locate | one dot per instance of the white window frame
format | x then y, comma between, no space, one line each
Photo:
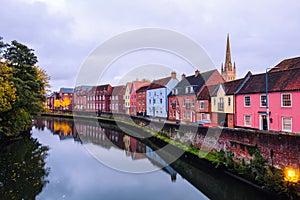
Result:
260,100
284,129
250,120
245,101
200,105
282,100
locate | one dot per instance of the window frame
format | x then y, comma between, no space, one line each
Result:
260,101
282,102
291,124
250,120
247,96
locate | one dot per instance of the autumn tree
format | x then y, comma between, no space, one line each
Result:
25,84
66,102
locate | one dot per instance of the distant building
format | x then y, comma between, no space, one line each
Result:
157,96
227,70
80,97
66,98
127,97
103,98
117,100
141,101
133,98
183,103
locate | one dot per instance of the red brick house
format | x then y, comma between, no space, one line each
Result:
183,103
80,97
133,98
66,98
102,98
117,100
141,101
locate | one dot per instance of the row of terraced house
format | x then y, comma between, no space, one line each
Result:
266,101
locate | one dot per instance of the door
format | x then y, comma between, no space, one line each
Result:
263,122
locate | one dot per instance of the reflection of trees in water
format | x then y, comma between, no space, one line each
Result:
22,169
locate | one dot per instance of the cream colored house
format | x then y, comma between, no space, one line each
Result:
127,97
223,102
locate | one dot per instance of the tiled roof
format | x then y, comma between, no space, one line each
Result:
287,80
232,86
102,87
142,89
120,89
67,90
138,84
160,83
206,92
291,63
195,81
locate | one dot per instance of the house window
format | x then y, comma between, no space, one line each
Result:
160,101
229,101
187,104
201,105
116,97
203,116
191,89
171,113
149,101
215,102
247,101
221,104
186,90
247,120
188,115
183,103
176,91
263,101
287,124
286,100
193,102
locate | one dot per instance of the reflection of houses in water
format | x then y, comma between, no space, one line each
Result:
98,135
134,148
157,160
65,129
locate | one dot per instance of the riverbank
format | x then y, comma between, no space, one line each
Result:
223,160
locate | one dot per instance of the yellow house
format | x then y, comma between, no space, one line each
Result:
223,102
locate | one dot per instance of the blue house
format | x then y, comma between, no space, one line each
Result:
157,96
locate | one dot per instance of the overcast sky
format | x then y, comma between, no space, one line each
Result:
64,32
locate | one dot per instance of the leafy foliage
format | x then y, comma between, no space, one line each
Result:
22,169
22,88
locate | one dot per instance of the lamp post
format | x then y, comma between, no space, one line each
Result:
267,97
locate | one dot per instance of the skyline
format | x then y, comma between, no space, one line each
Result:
64,33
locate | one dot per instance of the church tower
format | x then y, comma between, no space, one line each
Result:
228,73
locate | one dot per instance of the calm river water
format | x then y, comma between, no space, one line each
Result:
58,162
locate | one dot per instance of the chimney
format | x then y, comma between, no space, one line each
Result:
197,73
182,76
173,75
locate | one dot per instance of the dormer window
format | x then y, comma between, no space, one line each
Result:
191,89
187,90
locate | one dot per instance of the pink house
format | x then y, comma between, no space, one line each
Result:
283,99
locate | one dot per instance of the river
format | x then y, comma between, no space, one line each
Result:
58,162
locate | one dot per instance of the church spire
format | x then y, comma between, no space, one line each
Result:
228,54
228,73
